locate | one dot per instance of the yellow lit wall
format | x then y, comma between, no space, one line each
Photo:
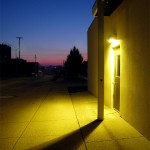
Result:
130,22
108,63
93,58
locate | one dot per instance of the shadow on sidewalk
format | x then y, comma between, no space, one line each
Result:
75,89
71,141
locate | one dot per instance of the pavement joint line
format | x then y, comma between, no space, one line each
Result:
78,123
7,96
44,98
112,137
55,120
97,141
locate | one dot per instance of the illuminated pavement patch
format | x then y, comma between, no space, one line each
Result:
51,118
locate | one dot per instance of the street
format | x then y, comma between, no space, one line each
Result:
23,92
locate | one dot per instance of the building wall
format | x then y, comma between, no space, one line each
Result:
130,22
108,63
5,57
93,58
5,53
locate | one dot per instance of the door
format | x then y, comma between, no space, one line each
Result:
116,95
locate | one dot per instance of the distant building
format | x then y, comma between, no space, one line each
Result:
5,58
32,68
18,67
14,67
5,53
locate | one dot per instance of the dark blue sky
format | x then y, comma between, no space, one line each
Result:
50,28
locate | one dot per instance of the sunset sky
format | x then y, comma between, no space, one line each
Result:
50,28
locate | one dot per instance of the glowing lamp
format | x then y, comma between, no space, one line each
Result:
114,42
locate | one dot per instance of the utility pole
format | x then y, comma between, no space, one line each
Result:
35,57
19,44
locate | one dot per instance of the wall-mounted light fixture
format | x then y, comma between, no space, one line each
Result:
114,42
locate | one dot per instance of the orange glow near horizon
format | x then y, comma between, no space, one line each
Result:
51,60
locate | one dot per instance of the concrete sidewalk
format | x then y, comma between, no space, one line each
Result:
64,121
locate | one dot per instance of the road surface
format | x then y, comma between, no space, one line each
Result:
22,91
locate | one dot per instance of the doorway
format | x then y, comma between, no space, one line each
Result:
116,91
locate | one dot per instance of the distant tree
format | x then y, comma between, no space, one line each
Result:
84,67
73,63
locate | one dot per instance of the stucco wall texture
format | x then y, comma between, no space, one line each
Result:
130,24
